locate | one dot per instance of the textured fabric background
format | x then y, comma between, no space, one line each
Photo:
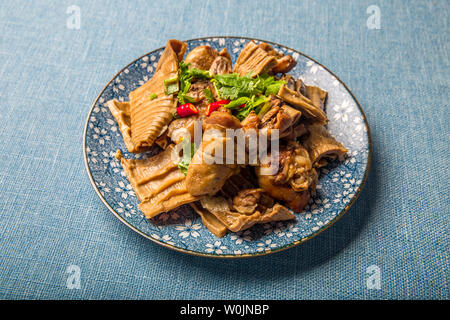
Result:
50,216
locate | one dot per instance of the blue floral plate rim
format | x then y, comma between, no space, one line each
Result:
242,255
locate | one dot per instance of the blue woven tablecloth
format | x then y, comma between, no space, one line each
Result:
53,226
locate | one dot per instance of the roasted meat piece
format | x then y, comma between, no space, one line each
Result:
317,95
296,132
223,119
262,58
294,178
214,225
302,103
295,168
196,91
222,64
252,121
321,144
236,221
239,205
207,58
293,199
281,117
208,169
283,64
201,57
254,59
247,200
182,126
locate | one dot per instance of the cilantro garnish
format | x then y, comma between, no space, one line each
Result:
246,93
208,94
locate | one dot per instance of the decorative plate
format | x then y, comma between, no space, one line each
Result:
181,229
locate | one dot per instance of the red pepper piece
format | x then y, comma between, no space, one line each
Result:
186,110
213,106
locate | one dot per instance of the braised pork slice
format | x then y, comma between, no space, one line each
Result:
281,117
236,221
293,199
295,132
302,103
150,117
240,205
223,119
321,144
254,59
283,64
179,127
262,58
210,221
196,90
295,168
208,169
233,220
316,95
246,201
293,84
300,175
252,121
159,184
201,57
221,65
294,178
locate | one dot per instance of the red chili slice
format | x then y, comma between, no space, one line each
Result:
213,106
186,110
